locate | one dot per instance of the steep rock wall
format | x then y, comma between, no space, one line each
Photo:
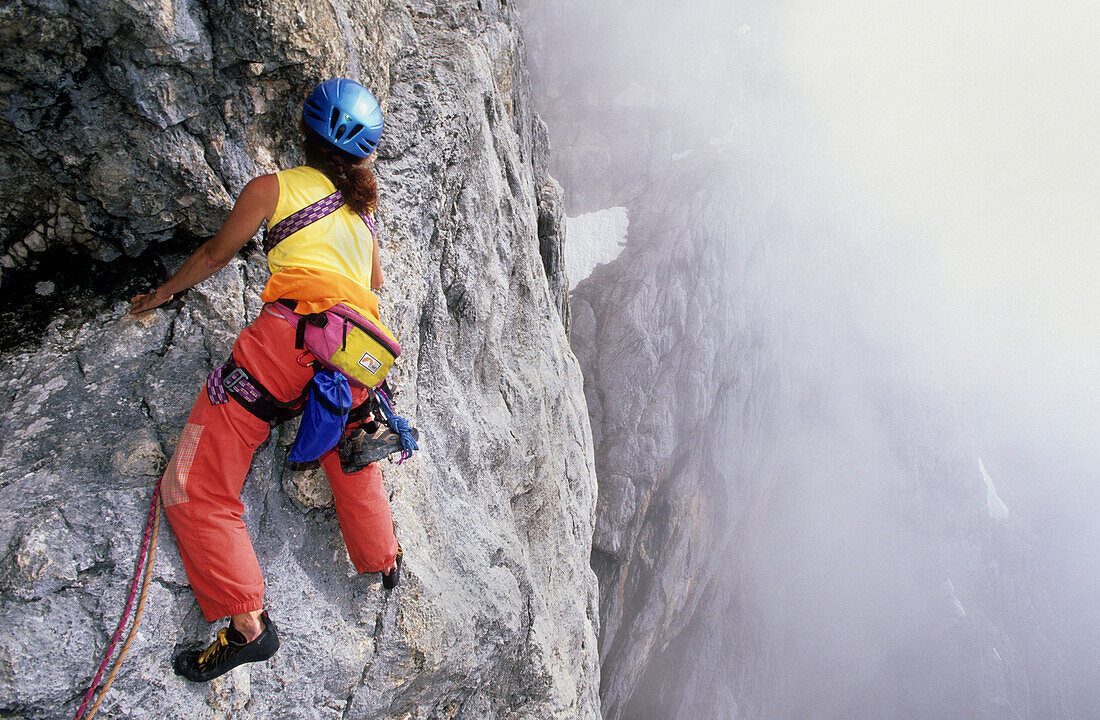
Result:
128,128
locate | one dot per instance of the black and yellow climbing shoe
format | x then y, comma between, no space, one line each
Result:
370,443
390,581
228,650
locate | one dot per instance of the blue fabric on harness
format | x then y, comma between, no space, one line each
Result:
326,413
398,424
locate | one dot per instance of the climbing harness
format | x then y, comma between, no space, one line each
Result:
144,563
231,380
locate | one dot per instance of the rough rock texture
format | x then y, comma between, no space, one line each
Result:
138,122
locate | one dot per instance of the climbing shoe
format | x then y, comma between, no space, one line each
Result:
390,581
369,443
228,650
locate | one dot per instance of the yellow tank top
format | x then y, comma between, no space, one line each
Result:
326,262
339,242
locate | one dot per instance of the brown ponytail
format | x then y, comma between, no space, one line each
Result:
351,175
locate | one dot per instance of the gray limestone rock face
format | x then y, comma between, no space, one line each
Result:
138,122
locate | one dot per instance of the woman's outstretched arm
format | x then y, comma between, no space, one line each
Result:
376,267
255,204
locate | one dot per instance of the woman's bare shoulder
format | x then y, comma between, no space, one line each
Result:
261,194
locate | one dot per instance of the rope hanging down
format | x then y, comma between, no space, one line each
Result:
145,561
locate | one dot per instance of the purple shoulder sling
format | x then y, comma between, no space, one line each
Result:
307,216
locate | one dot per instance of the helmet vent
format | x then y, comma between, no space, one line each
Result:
313,110
335,119
366,147
339,134
355,131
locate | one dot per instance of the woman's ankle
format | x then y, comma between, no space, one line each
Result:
249,624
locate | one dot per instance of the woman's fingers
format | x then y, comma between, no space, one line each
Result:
146,302
138,304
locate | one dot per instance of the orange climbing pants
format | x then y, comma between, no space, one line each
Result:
202,485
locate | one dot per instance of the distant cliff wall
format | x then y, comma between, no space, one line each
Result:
789,525
778,534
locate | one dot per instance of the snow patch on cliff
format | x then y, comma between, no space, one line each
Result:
593,239
997,508
956,605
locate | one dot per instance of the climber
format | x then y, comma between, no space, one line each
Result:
332,260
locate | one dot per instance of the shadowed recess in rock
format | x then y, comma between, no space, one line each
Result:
65,285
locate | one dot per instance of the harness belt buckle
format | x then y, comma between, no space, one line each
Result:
231,380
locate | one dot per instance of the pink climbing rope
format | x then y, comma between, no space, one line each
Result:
129,603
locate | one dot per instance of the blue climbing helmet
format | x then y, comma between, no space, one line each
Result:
346,114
